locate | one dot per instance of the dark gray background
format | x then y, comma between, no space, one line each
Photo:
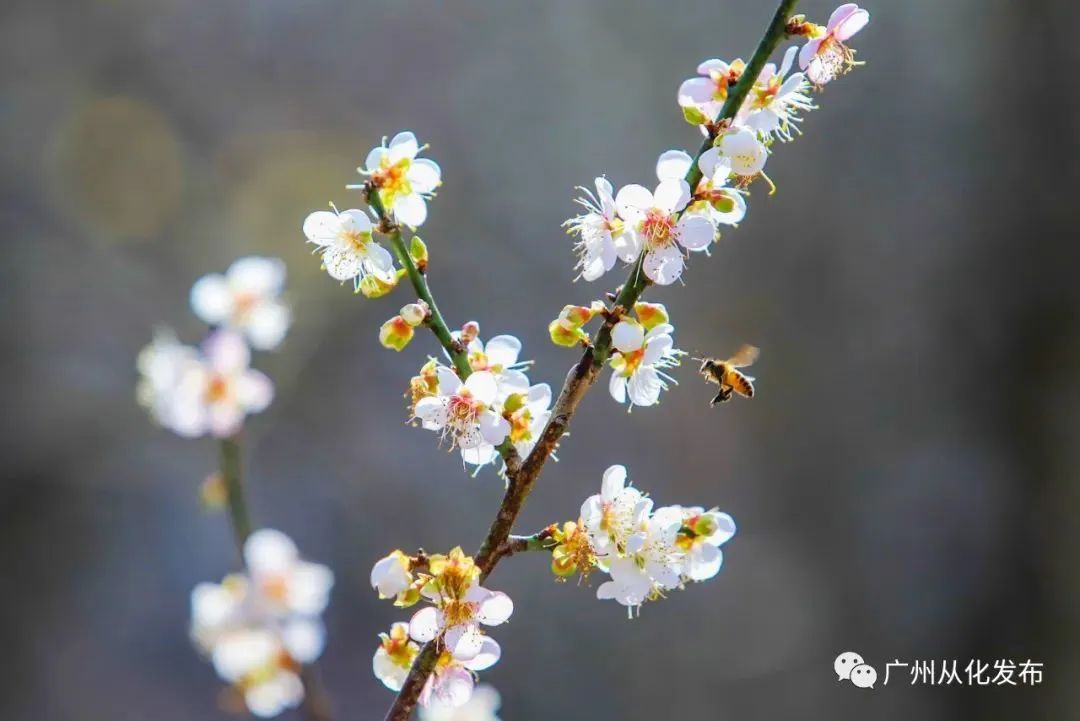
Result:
903,484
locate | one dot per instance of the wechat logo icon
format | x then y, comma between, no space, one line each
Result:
850,666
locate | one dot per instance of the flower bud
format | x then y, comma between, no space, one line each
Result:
212,493
395,333
374,286
419,253
565,334
577,315
650,315
392,575
694,116
415,313
469,331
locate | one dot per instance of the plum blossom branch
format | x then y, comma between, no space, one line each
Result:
497,543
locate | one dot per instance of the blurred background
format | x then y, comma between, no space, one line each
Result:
904,484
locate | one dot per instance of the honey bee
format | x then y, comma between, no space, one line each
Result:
726,374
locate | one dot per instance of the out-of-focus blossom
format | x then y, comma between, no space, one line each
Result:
261,627
482,705
162,365
245,298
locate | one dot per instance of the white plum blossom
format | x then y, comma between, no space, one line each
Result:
527,414
826,57
743,152
394,657
464,412
349,251
659,228
646,552
652,565
457,618
259,628
701,535
603,235
482,705
639,363
773,104
215,394
500,357
613,518
404,182
245,298
725,205
707,92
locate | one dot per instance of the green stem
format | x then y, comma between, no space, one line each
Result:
231,470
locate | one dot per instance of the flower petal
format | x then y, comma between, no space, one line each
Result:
483,386
487,657
411,210
268,551
673,165
672,195
464,641
663,267
644,387
696,232
322,227
496,609
503,350
627,336
403,145
493,427
617,388
212,299
614,482
425,624
425,175
633,200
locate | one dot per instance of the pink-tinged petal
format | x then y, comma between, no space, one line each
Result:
657,349
269,552
673,165
322,227
503,350
696,92
617,388
789,60
425,175
663,267
839,15
226,352
411,210
633,200
449,382
224,419
808,51
614,482
696,232
852,24
433,412
493,427
375,158
254,391
452,687
342,264
496,609
402,146
425,624
487,657
483,386
672,195
644,387
464,641
212,299
713,65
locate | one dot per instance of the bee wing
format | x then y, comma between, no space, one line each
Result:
745,356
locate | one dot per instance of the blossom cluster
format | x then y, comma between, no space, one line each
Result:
210,389
457,607
694,197
646,551
260,627
496,402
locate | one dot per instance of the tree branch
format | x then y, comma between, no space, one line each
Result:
582,376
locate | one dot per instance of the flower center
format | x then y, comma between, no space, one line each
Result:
633,361
355,240
217,390
392,180
244,303
658,228
463,407
457,612
275,587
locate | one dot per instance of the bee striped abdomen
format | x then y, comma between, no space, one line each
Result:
740,384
